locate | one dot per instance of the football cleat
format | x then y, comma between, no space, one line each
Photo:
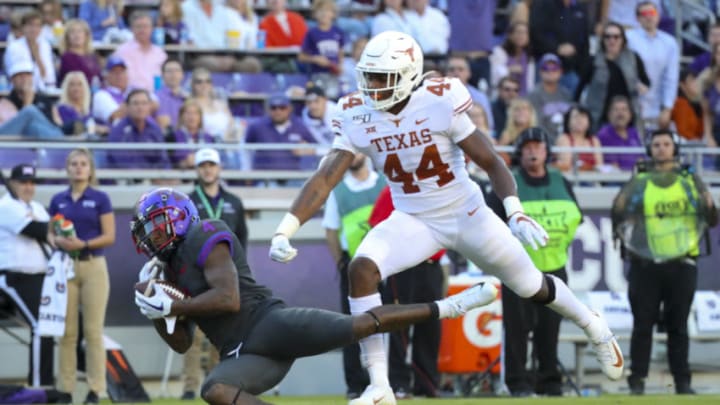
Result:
476,296
374,395
606,348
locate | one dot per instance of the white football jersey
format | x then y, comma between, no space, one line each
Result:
416,149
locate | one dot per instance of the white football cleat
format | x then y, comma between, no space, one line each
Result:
476,296
374,395
606,348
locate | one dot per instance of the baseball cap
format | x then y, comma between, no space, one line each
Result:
23,66
23,172
313,92
207,155
114,61
548,59
278,99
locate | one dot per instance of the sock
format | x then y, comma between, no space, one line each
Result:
372,348
567,305
443,309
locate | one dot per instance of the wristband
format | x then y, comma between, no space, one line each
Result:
512,205
288,226
87,245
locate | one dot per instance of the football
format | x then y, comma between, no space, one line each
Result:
169,288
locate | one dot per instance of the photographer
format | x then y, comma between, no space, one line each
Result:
660,216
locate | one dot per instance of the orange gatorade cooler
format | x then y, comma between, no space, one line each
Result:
472,343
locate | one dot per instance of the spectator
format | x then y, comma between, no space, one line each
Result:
137,127
458,67
189,131
648,215
616,71
549,99
704,60
661,56
209,23
479,117
561,27
23,111
430,25
577,133
521,115
323,44
279,127
622,11
90,211
171,95
77,53
143,59
23,235
170,19
283,28
105,18
246,12
348,80
52,18
317,116
550,200
15,26
35,49
108,103
345,220
508,89
687,113
213,201
513,58
620,132
73,108
391,17
474,16
217,118
710,86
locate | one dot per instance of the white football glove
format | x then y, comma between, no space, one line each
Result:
281,250
155,307
153,268
527,230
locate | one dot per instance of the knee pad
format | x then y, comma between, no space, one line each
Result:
551,291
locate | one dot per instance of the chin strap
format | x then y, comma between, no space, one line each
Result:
376,319
236,396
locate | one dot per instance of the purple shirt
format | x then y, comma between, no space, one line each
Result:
84,213
700,62
173,32
263,131
88,64
183,136
126,131
326,43
169,104
609,137
471,16
69,114
712,95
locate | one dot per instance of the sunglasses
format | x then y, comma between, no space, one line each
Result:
612,36
278,107
456,68
199,81
550,67
648,12
511,89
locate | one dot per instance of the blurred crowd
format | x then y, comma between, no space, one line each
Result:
592,73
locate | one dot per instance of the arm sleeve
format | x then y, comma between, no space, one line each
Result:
341,140
14,217
331,216
671,77
36,230
460,125
105,204
383,207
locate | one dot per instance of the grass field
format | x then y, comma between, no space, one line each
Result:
602,400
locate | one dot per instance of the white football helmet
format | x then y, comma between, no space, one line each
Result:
399,57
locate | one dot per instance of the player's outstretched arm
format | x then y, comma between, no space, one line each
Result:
224,292
482,152
312,196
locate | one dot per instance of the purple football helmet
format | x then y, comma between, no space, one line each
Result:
162,219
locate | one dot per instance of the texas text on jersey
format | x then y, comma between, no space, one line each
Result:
417,148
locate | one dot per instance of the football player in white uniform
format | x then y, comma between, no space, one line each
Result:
417,131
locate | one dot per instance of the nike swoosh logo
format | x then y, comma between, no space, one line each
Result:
377,401
418,122
471,213
158,308
619,362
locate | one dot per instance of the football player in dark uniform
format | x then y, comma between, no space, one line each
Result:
257,335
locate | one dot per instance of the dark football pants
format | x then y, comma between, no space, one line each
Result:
275,341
